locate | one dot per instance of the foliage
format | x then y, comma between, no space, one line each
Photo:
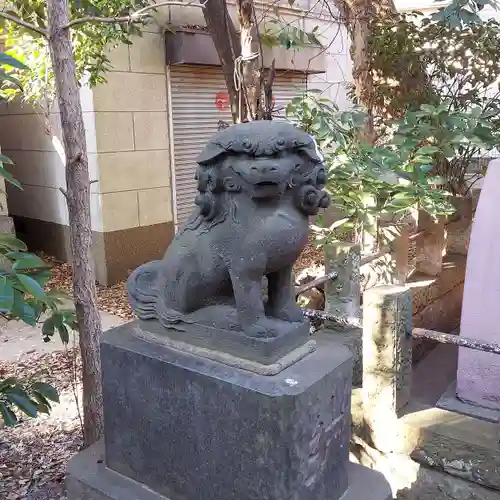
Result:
460,13
461,66
32,398
23,279
369,182
279,33
91,43
451,137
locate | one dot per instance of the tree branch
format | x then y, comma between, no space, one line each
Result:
135,16
25,24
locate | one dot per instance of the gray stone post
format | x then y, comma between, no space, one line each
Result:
459,228
343,295
401,247
391,267
431,245
387,341
343,300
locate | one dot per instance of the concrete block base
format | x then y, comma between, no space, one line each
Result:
89,479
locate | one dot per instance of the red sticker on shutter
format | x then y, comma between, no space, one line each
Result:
222,100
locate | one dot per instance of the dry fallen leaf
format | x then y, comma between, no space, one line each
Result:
34,455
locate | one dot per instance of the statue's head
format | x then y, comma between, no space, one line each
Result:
264,159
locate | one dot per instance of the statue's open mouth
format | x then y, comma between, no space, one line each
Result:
268,184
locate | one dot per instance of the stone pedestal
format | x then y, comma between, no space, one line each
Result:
478,372
183,427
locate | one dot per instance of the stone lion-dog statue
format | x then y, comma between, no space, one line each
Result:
258,183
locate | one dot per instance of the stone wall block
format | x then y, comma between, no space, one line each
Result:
431,245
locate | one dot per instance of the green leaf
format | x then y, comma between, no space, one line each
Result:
11,61
47,391
31,286
9,178
7,382
41,406
425,169
23,310
11,242
4,76
427,150
22,401
57,294
339,223
437,181
6,294
49,326
8,416
63,333
6,159
29,261
41,276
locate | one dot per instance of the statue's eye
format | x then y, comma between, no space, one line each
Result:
280,142
246,144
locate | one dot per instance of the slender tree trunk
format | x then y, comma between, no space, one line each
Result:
251,73
78,200
359,16
225,38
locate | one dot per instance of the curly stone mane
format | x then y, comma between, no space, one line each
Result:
217,183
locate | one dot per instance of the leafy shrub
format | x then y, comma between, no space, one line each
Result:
369,182
23,279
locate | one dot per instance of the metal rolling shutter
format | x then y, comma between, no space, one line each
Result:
195,117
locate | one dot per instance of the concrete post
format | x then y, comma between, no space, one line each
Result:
460,225
387,341
343,295
431,245
401,248
343,300
391,268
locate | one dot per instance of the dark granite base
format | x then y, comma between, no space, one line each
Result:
190,428
89,479
234,342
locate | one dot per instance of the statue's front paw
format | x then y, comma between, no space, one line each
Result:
258,331
291,313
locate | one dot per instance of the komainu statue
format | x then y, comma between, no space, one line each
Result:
258,183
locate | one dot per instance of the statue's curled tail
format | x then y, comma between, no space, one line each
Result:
142,290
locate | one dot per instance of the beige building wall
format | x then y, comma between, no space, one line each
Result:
134,190
32,140
127,141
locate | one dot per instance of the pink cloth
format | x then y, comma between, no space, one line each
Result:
478,375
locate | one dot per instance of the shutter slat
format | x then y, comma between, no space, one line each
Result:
195,118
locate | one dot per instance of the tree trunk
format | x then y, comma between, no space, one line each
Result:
78,200
251,74
359,16
225,38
